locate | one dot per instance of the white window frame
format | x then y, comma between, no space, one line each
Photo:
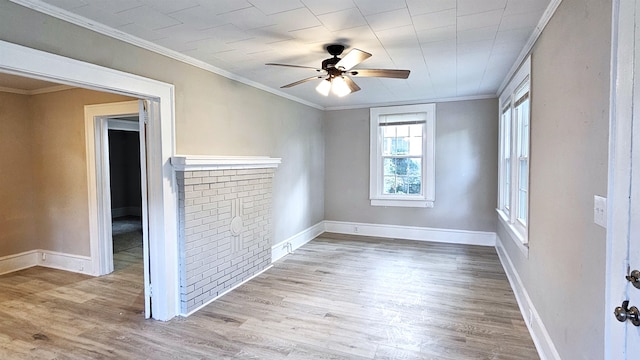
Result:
426,198
517,88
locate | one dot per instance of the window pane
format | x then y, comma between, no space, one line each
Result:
507,184
506,164
402,176
415,130
402,140
522,146
523,174
522,206
522,119
389,131
523,188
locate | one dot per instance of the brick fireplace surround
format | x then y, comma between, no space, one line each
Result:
225,225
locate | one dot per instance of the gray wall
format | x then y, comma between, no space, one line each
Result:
214,115
564,274
466,169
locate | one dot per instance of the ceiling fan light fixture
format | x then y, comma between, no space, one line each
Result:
324,87
340,87
336,68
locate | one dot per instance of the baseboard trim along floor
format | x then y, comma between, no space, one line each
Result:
540,336
52,259
449,236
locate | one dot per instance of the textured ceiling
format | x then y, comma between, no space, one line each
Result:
454,48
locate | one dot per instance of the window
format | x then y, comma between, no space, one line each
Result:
513,202
402,169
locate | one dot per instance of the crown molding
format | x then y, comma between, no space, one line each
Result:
414,102
544,20
82,21
46,90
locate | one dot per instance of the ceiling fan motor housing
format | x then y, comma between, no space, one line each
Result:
330,64
335,50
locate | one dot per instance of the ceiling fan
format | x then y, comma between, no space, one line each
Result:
337,71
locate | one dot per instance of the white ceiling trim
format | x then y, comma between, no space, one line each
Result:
133,40
46,90
544,20
414,102
14,91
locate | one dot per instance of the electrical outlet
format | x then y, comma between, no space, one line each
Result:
600,210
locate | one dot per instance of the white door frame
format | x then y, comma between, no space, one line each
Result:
96,125
23,61
619,179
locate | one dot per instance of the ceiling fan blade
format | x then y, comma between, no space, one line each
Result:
353,58
352,85
301,81
294,66
386,73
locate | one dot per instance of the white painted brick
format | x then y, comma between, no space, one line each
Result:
231,184
210,193
201,187
231,196
200,229
192,194
217,185
211,265
193,181
202,200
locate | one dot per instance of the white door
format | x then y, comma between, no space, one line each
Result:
144,120
622,330
633,287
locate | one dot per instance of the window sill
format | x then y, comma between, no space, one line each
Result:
402,203
518,238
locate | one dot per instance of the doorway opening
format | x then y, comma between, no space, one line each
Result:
159,133
109,185
125,180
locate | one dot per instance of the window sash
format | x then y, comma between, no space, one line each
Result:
514,158
384,156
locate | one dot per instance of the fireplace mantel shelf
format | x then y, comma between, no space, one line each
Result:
199,162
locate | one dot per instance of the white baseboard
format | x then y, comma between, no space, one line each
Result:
17,262
413,233
46,258
541,339
225,293
281,249
67,262
126,211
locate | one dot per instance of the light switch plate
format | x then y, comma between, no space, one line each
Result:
600,210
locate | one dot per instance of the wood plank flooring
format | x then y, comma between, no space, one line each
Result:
338,297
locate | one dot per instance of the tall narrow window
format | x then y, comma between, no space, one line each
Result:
513,202
402,156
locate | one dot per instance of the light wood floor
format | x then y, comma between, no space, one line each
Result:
335,298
